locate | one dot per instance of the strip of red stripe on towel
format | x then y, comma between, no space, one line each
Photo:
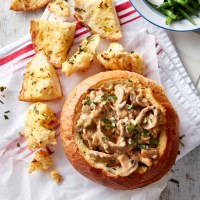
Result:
15,54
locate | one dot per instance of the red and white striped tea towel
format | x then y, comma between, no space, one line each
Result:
14,160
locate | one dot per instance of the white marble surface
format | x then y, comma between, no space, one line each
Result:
14,25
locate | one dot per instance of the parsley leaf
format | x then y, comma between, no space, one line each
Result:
88,101
129,107
109,97
174,181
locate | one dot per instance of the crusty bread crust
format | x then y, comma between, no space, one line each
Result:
18,5
136,179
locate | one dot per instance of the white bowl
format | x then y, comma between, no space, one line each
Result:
153,16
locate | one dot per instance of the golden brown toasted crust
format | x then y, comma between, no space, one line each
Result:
136,179
29,5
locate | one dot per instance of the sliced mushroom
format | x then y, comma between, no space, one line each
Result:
141,100
128,166
146,161
120,93
149,153
102,156
151,121
132,96
121,143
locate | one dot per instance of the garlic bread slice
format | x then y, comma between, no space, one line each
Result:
25,5
41,82
83,57
115,58
54,38
38,126
99,16
60,8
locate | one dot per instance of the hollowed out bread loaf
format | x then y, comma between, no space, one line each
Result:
119,129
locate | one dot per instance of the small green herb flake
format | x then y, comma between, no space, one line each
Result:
142,146
2,88
32,74
1,102
113,125
145,133
6,112
105,121
153,143
88,101
130,107
174,181
130,141
181,137
129,128
104,139
109,97
6,117
36,110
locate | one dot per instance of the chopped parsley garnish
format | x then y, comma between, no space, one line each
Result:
181,137
2,88
142,146
130,107
174,181
129,128
109,97
8,111
31,74
88,101
105,121
153,143
6,117
104,139
145,132
108,123
2,102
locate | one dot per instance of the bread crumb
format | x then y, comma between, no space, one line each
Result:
55,175
41,162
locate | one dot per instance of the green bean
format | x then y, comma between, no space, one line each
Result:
169,13
182,12
182,3
164,5
175,10
168,20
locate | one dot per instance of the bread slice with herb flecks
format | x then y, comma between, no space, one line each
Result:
25,5
54,38
99,16
41,82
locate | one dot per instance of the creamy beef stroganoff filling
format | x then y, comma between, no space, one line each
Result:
119,127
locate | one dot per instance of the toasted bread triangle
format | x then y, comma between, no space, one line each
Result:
24,5
41,82
54,38
99,16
